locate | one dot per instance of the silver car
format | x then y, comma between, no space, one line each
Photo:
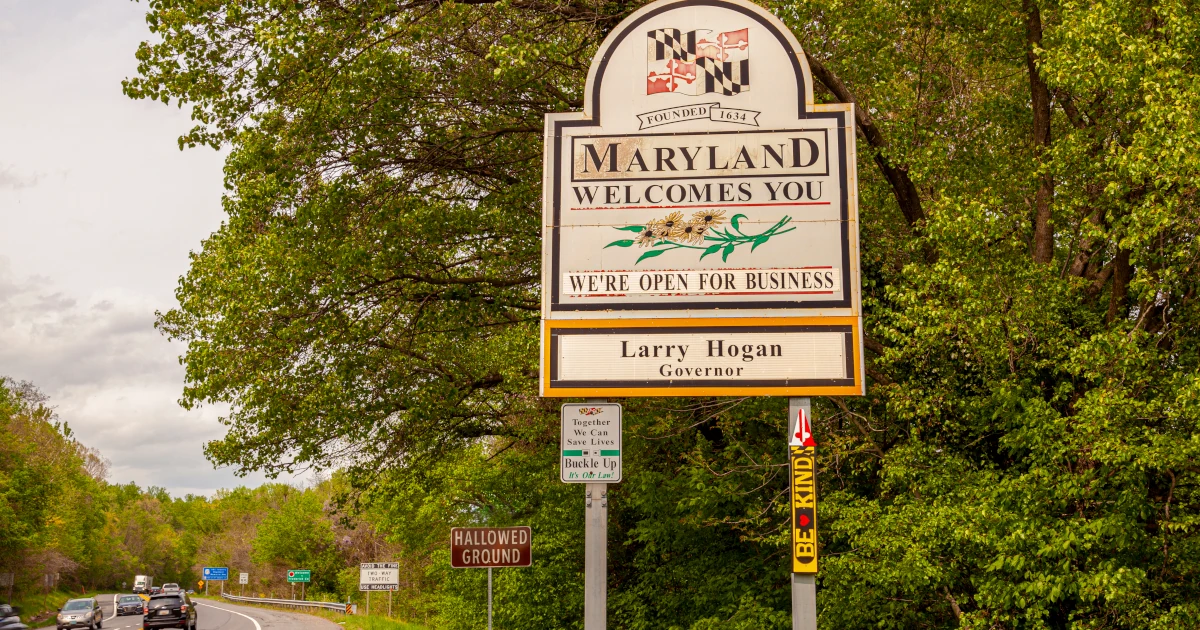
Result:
80,613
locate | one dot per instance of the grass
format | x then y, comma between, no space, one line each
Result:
351,622
38,608
363,622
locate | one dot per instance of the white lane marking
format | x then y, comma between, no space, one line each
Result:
114,609
252,619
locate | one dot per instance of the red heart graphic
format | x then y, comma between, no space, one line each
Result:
803,520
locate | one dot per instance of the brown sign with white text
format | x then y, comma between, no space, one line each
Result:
484,547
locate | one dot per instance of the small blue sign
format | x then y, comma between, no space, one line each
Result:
216,573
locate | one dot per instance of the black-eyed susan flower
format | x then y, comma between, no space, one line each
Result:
670,226
692,232
647,236
709,218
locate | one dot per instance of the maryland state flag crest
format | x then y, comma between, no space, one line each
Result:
697,62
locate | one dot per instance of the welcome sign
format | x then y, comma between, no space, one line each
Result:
700,216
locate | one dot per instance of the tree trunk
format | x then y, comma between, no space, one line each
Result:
1122,272
1043,233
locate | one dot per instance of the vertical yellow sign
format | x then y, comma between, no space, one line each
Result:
804,508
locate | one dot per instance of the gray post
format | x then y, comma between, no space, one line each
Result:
368,603
389,604
804,602
595,564
804,587
489,598
595,559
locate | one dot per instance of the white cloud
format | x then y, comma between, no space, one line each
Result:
13,180
98,211
113,378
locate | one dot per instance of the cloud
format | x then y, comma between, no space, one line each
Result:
113,378
97,200
12,180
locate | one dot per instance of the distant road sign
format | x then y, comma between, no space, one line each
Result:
216,573
379,576
484,547
243,578
299,575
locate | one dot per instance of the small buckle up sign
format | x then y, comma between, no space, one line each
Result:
591,443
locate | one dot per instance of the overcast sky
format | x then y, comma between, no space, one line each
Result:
98,211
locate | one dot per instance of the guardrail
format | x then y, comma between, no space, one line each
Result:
348,609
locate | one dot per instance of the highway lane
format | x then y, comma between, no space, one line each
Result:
215,614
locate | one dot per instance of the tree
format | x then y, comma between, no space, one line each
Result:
1026,456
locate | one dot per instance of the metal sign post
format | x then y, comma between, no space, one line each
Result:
802,459
378,576
595,559
7,579
591,454
488,547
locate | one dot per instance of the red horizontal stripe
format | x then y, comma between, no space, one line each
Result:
716,206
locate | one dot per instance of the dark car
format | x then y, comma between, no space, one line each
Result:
9,619
129,605
169,610
80,613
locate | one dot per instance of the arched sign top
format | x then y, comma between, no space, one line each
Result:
681,53
700,216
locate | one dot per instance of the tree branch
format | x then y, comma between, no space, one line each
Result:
903,188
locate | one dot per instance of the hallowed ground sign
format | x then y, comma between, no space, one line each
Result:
700,217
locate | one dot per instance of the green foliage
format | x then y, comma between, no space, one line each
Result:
1026,456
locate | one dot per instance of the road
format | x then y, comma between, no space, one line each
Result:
221,615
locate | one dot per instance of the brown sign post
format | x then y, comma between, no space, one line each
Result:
491,548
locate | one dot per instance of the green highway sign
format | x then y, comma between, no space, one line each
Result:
299,575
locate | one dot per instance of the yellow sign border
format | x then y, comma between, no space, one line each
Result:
549,325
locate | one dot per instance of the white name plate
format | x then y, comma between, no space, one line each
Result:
709,356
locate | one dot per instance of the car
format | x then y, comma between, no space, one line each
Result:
170,587
154,590
170,610
129,605
80,613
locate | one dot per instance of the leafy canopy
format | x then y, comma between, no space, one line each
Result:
1026,456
